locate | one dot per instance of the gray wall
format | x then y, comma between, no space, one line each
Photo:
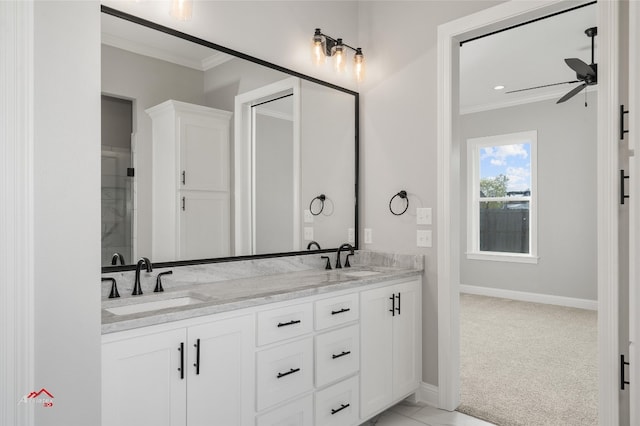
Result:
566,198
66,220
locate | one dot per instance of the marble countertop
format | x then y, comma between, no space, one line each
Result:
232,294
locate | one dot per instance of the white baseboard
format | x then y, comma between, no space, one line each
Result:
530,297
428,394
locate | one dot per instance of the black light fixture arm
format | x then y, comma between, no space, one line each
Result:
330,42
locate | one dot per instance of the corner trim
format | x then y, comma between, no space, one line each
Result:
428,394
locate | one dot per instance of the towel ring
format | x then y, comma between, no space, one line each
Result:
402,194
320,198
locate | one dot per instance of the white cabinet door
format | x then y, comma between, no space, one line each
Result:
376,334
407,344
391,345
204,151
220,382
204,225
142,383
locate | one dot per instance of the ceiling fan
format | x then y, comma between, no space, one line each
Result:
585,74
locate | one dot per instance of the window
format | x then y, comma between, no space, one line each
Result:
502,220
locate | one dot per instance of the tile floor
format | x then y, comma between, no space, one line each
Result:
416,414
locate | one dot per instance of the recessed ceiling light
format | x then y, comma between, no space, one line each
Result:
499,87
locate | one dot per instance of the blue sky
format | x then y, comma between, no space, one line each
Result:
513,161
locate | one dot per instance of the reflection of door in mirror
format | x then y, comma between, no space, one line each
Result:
275,174
117,185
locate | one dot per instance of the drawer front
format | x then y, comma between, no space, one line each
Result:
284,372
337,354
336,311
337,405
284,323
296,413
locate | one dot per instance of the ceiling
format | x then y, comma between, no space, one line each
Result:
526,56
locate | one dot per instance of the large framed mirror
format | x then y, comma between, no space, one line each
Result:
212,155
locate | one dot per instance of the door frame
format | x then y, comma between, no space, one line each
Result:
633,369
244,166
449,36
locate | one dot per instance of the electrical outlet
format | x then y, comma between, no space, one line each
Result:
368,236
423,216
351,236
308,217
308,233
423,238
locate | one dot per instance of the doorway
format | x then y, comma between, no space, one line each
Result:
117,179
449,233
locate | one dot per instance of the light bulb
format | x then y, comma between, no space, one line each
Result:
318,56
181,9
339,56
359,68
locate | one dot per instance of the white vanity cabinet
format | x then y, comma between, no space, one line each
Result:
191,181
391,345
192,376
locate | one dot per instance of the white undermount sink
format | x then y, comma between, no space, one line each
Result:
136,308
358,274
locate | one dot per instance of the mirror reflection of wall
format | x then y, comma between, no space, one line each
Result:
116,186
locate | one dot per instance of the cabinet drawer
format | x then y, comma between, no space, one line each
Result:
284,372
337,405
296,413
336,311
337,354
284,323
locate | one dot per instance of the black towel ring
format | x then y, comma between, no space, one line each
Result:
320,198
402,194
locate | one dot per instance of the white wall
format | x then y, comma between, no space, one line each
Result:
398,133
66,103
566,198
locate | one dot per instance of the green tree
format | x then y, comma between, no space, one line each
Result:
493,187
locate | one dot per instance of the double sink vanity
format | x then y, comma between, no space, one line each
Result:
275,341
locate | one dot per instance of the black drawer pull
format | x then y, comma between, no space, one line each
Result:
398,308
340,311
197,364
181,369
340,355
293,370
342,407
393,305
284,324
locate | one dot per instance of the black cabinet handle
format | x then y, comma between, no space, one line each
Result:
398,308
393,305
181,369
184,177
197,364
284,324
340,311
623,196
293,370
340,355
622,378
183,204
342,407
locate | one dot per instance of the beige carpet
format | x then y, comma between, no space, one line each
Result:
527,364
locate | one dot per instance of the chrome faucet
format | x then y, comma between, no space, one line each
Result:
346,246
313,243
117,257
137,289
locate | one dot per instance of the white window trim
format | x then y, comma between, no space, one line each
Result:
474,145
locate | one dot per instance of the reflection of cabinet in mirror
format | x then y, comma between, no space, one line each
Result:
191,191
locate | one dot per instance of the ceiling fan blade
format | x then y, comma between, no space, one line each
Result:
580,67
572,93
544,85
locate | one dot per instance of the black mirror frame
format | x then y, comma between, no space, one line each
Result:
140,21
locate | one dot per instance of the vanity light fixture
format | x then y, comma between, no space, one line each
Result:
324,45
181,9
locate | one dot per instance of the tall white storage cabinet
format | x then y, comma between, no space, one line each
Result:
191,184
